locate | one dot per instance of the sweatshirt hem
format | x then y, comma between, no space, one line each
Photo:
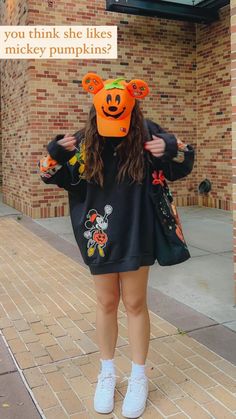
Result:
124,265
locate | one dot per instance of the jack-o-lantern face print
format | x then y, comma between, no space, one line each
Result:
115,104
114,101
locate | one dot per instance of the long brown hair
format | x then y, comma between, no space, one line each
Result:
130,151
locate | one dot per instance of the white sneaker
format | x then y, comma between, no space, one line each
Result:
104,393
135,399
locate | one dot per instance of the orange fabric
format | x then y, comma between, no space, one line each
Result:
93,217
47,163
114,100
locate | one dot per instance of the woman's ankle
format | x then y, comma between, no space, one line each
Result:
138,370
107,365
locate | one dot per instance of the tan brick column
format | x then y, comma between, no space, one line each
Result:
15,123
233,101
0,141
213,115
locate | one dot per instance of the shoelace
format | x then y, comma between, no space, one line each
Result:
133,381
102,378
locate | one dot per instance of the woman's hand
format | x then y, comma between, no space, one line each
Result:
68,142
156,146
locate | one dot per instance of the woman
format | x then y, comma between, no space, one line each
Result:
104,168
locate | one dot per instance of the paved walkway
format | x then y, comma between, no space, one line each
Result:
47,317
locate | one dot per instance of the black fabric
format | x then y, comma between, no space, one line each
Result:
113,225
58,152
172,169
177,170
129,227
170,140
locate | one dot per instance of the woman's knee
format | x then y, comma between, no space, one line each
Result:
134,305
107,292
108,303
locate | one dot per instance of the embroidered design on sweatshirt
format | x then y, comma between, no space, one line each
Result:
79,157
48,167
181,148
158,177
96,224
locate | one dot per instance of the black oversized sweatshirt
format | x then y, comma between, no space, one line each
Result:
114,224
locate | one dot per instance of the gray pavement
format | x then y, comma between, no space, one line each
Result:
204,282
6,210
16,401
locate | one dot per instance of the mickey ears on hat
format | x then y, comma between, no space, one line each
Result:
137,88
92,83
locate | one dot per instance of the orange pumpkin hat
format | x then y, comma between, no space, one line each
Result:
114,101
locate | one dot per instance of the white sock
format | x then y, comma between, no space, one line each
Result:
138,370
108,365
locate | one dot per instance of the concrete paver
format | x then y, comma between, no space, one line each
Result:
47,312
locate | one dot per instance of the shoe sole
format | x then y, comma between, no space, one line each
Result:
135,414
101,410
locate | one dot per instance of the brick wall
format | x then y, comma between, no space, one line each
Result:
15,118
0,138
214,144
163,52
233,101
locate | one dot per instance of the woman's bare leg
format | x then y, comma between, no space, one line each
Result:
134,296
108,296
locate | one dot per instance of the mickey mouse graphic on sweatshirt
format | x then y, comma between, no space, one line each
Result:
96,224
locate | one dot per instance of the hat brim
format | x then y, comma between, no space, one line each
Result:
113,127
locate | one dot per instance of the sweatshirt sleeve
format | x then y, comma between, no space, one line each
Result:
176,152
61,167
58,152
171,146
